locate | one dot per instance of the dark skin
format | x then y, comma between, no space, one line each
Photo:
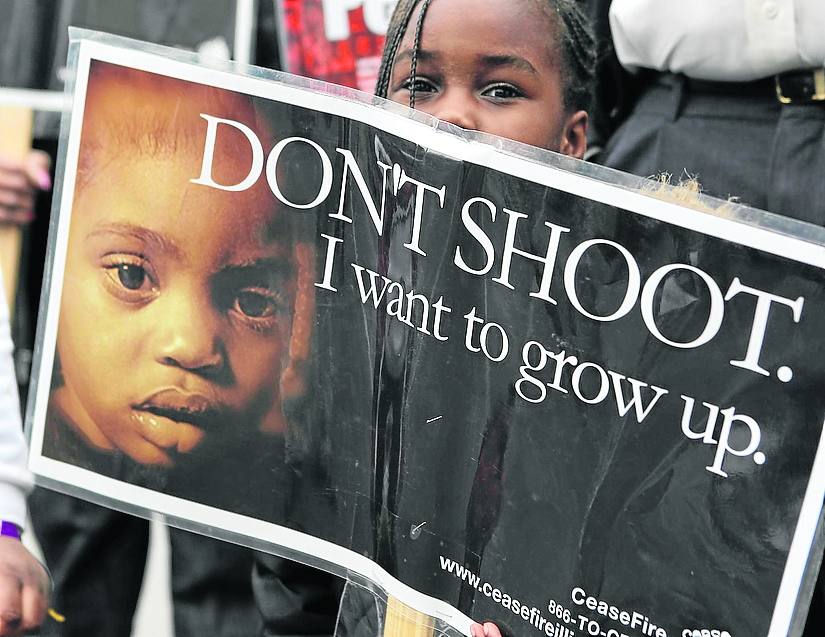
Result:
507,83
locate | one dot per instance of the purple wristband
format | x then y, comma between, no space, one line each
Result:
9,529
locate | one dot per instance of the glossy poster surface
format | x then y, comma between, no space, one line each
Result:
497,378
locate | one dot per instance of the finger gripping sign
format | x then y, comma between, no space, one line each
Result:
491,381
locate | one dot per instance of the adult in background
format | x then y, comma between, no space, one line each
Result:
24,583
732,93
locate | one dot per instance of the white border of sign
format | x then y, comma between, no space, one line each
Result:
439,141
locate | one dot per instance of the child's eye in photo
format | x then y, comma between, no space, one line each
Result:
128,278
258,303
257,294
131,276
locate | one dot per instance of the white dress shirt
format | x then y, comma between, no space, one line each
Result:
15,480
722,40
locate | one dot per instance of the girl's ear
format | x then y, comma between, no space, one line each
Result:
293,377
574,135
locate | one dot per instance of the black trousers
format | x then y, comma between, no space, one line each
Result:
739,142
97,558
749,146
294,599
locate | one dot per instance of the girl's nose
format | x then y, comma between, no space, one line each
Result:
189,337
458,108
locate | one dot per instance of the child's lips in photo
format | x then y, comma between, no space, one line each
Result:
172,418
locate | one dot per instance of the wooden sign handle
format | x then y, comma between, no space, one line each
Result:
15,141
403,621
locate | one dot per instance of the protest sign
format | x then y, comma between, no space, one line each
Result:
497,382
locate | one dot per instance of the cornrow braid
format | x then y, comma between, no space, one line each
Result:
416,47
577,48
395,33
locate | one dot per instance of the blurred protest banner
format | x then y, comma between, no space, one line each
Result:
338,41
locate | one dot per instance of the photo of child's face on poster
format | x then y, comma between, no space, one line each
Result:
186,310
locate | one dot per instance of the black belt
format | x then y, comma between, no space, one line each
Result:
792,87
801,86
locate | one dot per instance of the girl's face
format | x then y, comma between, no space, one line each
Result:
491,66
177,308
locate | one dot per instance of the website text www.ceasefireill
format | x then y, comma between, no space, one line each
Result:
563,622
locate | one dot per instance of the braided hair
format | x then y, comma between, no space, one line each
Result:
577,47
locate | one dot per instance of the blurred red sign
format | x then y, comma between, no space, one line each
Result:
339,41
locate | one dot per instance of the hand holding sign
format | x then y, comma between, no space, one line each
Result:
21,172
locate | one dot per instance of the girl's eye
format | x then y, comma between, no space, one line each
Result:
419,84
502,92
